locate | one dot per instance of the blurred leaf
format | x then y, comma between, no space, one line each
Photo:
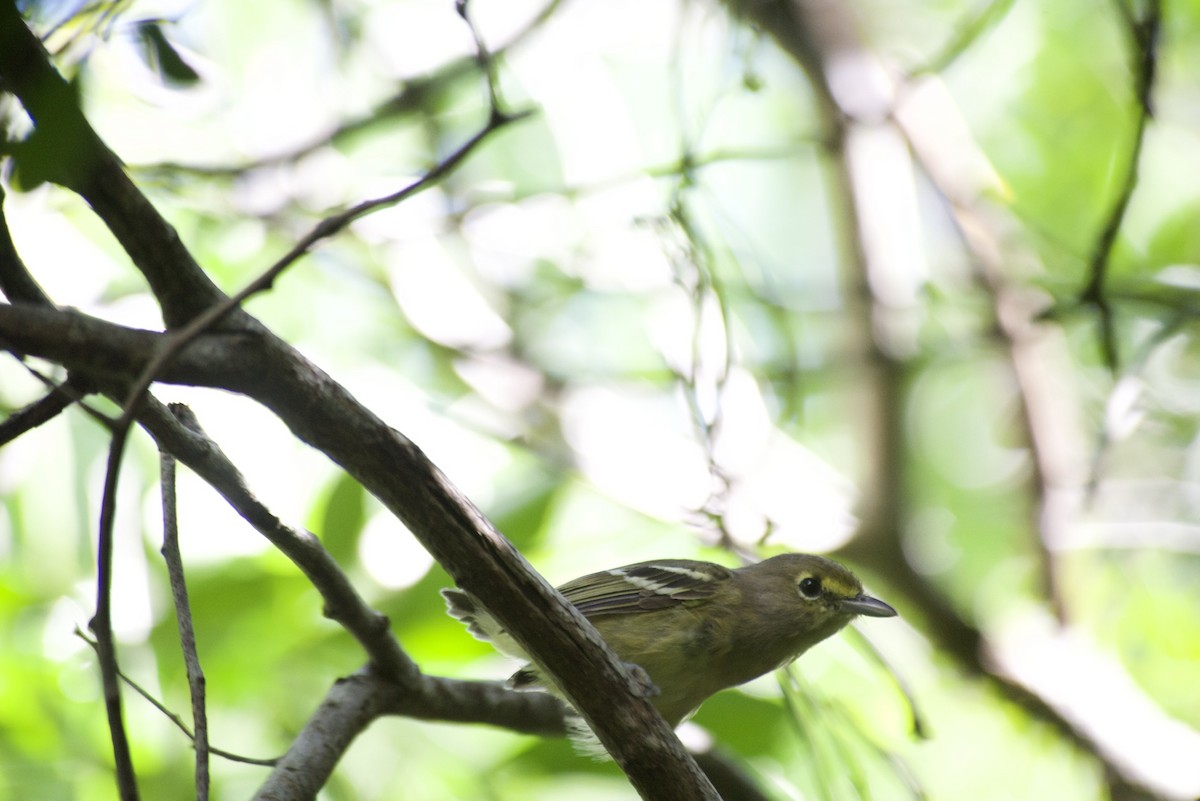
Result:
339,518
748,725
1177,239
48,154
522,509
161,56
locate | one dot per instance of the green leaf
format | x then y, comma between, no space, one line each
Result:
340,519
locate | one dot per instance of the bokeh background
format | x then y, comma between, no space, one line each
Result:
632,326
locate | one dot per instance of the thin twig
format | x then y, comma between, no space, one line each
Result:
60,397
16,281
29,417
179,432
482,56
706,425
183,617
1143,34
101,622
968,33
176,719
326,228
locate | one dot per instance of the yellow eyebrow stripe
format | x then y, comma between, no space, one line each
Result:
840,588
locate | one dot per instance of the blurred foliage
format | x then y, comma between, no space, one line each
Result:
621,329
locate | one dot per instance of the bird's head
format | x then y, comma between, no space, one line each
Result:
810,597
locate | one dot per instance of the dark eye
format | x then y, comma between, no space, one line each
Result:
810,587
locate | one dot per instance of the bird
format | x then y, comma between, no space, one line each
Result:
695,628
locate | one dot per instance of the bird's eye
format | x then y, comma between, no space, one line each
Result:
810,587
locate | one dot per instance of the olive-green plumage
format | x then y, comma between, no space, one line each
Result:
696,627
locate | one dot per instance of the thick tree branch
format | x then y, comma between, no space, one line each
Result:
391,683
492,703
482,561
353,703
105,350
391,467
324,414
349,707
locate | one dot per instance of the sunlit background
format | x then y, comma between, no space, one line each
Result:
619,356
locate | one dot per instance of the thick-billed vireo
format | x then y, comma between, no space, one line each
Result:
696,627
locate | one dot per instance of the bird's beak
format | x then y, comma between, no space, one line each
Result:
866,605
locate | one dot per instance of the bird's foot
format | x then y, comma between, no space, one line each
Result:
642,685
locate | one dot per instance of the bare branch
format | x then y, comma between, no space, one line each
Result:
104,350
322,413
354,702
183,616
41,411
409,693
488,702
179,432
101,622
349,707
136,396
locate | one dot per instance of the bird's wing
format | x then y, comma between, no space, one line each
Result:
647,585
